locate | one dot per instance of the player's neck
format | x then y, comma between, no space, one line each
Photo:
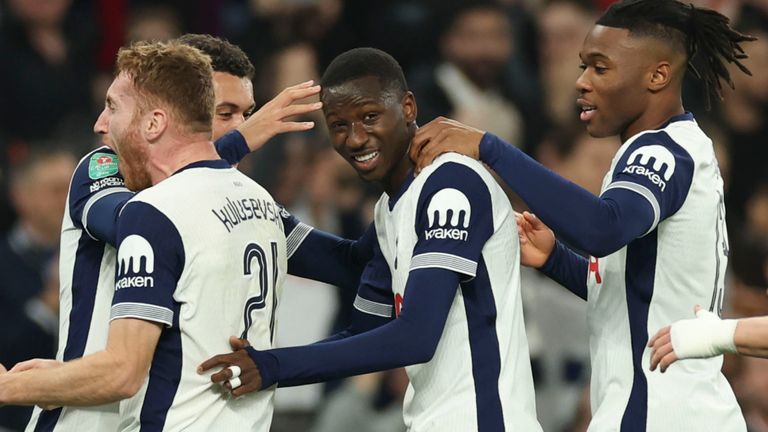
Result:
171,156
394,181
653,118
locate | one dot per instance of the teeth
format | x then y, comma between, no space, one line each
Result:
587,109
366,157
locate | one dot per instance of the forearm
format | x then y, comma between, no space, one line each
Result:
330,259
596,225
751,337
410,339
568,269
93,380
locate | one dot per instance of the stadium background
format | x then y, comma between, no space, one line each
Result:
56,60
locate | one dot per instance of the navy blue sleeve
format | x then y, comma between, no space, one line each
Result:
410,339
567,268
374,304
597,225
325,257
454,219
97,194
150,259
232,147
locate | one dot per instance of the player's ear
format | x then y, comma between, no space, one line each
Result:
660,77
156,124
409,107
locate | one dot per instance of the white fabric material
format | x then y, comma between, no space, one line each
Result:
235,370
704,336
211,294
235,382
691,258
78,419
446,399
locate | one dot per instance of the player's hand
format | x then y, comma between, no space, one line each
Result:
536,240
443,135
250,378
35,364
270,119
662,350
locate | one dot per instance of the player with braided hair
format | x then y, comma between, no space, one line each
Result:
656,235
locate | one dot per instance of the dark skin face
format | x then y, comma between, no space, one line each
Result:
372,127
629,84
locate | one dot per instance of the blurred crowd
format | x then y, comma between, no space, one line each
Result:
508,67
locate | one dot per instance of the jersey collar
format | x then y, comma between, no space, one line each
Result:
215,164
686,116
407,183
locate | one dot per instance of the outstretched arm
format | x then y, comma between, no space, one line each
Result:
325,257
708,336
539,249
107,376
268,121
637,198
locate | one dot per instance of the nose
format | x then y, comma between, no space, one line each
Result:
357,137
100,127
237,120
582,83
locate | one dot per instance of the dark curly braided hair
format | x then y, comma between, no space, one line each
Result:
703,35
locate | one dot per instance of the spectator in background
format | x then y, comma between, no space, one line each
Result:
479,81
562,24
744,116
38,194
158,23
47,60
28,278
34,335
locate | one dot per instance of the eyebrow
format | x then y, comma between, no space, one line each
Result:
594,56
228,105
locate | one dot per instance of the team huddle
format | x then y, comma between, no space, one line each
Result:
173,261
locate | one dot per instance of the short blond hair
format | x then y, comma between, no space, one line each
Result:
175,76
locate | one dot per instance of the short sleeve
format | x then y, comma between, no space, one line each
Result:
657,168
150,260
96,177
454,219
295,230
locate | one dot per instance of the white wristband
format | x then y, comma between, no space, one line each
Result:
704,336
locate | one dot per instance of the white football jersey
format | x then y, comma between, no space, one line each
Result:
87,274
656,280
455,216
202,252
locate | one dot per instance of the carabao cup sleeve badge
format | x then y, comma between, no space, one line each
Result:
102,165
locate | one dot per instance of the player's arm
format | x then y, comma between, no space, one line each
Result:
97,195
116,373
708,336
151,260
325,257
630,207
269,121
539,249
436,270
373,308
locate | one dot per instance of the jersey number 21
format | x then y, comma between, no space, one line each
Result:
254,252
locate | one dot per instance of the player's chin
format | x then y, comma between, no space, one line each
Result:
372,175
596,130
